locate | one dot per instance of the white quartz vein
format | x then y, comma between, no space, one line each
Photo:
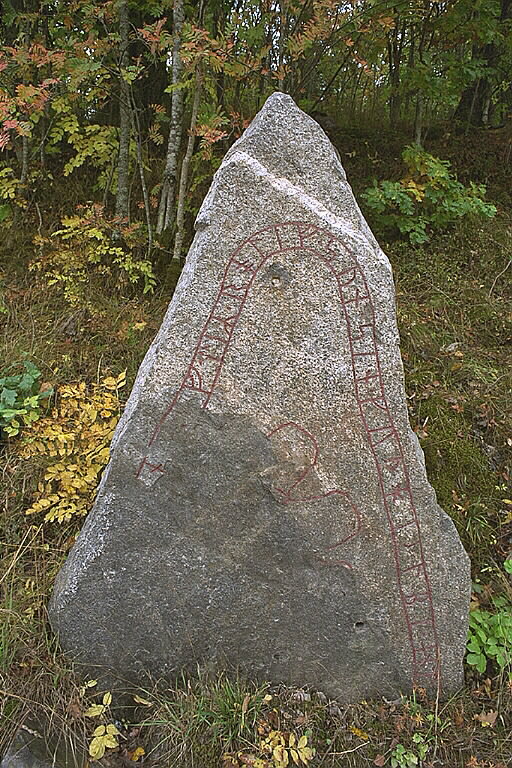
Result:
283,185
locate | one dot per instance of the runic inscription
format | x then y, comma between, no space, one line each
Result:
292,493
384,443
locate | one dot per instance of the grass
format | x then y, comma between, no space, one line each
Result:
455,319
454,332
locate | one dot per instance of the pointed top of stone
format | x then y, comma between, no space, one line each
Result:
291,150
287,138
290,143
266,504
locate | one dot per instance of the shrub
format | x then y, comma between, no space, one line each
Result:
90,245
20,399
490,636
76,436
427,199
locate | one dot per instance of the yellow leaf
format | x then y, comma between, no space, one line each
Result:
358,732
292,739
99,731
280,756
94,711
112,730
140,700
306,754
110,741
137,752
107,699
97,748
302,742
121,379
295,756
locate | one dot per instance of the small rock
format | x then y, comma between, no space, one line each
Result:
27,750
301,696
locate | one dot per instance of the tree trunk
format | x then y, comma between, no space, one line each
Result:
219,25
281,46
418,119
474,104
138,139
470,109
123,161
24,159
394,53
180,215
166,205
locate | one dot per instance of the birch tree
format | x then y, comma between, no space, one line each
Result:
123,163
180,214
166,204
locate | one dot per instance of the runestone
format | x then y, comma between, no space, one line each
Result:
266,506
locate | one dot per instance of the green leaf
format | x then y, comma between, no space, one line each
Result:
5,212
477,660
8,396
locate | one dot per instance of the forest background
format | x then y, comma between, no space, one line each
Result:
113,118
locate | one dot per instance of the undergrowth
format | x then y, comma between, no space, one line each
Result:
73,443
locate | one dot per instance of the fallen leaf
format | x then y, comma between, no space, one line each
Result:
136,754
245,704
253,761
458,719
228,761
380,760
487,718
74,708
145,702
